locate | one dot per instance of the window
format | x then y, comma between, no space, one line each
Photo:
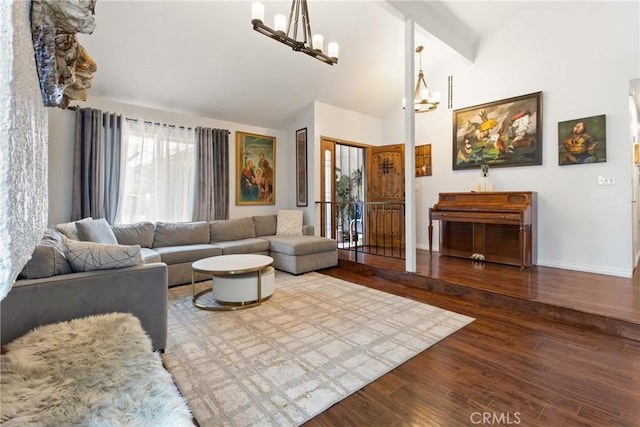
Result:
157,173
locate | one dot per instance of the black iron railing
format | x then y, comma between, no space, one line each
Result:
365,227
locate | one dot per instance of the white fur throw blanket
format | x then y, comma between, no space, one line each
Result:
95,371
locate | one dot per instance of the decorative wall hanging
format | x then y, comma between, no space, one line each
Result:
582,141
501,133
64,66
423,160
301,167
256,169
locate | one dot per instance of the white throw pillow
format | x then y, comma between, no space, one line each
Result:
289,223
96,231
89,256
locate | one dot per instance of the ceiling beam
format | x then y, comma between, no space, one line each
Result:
436,18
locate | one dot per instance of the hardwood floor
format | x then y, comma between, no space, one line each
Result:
511,366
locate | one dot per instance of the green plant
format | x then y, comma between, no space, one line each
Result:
348,191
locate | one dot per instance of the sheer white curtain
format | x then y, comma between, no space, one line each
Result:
157,173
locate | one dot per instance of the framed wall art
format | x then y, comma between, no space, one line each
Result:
301,167
499,134
423,160
582,141
256,169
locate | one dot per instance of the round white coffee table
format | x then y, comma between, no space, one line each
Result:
239,281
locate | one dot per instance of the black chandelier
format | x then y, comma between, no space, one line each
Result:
311,45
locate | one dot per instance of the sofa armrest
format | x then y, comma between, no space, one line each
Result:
141,290
308,230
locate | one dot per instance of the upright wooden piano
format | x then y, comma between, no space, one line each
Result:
492,226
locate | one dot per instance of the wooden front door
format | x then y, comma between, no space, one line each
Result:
385,185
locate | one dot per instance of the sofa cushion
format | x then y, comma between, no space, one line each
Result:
224,230
70,230
89,256
187,253
150,255
244,246
180,233
289,223
47,259
301,245
97,231
265,225
139,233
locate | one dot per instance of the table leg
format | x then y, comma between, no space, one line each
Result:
259,287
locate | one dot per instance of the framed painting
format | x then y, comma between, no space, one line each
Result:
499,134
256,169
423,160
582,141
301,167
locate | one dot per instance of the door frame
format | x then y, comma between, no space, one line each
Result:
328,143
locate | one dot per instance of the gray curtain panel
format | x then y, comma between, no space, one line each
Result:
96,164
211,197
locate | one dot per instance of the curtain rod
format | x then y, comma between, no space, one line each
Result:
162,124
158,123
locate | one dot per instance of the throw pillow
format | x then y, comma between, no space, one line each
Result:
70,230
89,256
140,233
289,223
47,259
97,231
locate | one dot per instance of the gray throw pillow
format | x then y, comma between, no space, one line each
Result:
226,230
180,233
97,231
140,233
70,230
89,256
47,259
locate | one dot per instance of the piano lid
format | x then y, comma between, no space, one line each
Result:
485,201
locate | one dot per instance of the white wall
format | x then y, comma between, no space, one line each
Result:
61,134
634,129
582,57
23,144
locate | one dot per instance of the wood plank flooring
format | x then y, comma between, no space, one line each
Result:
594,301
508,367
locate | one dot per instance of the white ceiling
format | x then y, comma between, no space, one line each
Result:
203,57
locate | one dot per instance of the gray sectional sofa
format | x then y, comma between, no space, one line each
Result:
180,244
64,280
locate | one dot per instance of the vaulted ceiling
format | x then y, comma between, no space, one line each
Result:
203,57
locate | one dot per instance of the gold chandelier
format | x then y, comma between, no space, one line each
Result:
311,45
423,100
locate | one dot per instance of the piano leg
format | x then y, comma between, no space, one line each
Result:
523,245
430,235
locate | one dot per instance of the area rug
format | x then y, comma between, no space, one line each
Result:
95,371
315,342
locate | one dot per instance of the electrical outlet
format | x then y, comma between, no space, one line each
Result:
606,180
